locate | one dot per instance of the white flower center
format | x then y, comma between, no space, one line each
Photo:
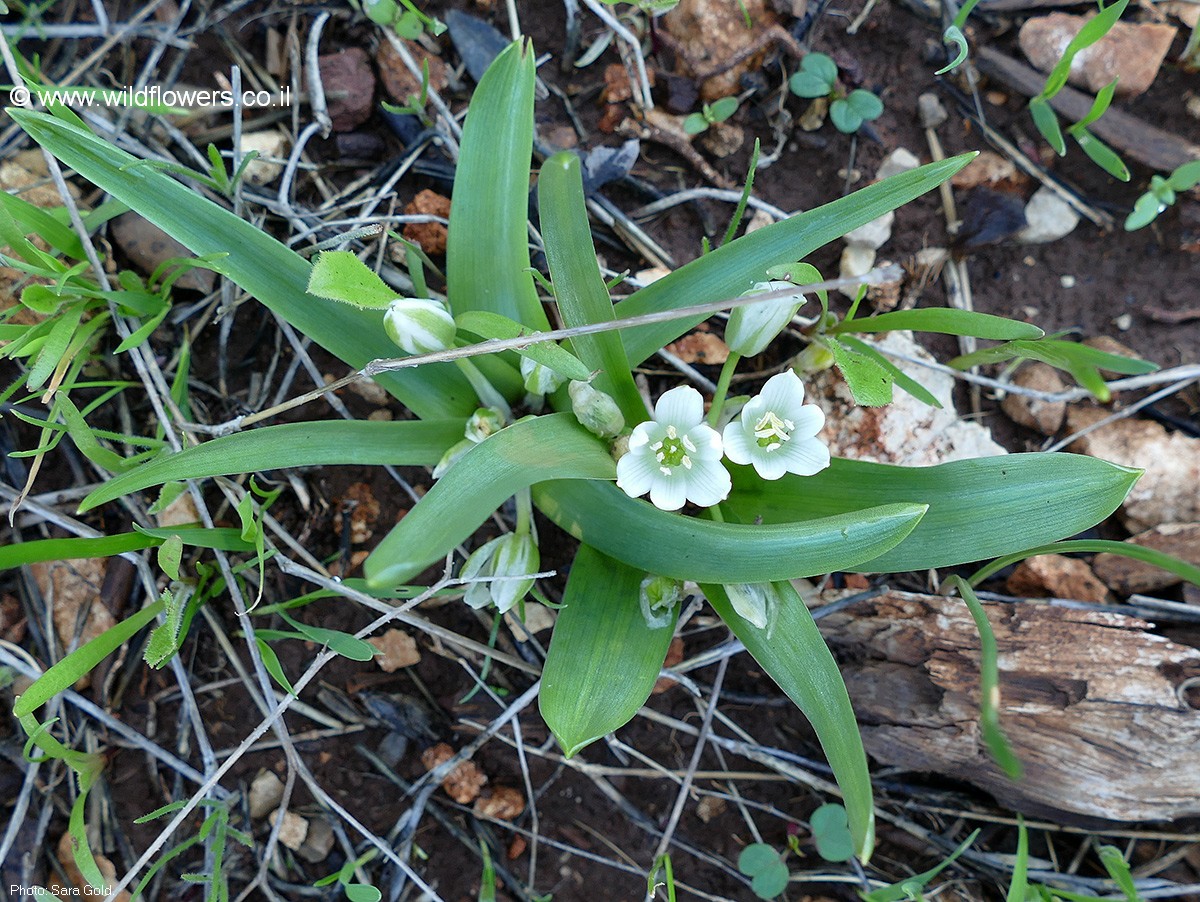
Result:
672,451
771,432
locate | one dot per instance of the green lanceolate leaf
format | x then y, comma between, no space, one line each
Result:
644,537
943,320
487,249
527,452
978,508
363,443
270,272
582,296
735,267
795,655
604,659
67,672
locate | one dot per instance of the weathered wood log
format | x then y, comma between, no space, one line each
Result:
1097,708
1141,141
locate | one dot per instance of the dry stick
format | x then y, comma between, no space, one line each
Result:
1125,412
634,45
492,346
722,194
681,798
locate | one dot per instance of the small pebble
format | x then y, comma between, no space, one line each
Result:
1124,322
1067,281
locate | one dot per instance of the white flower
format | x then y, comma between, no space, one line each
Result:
510,555
419,326
675,457
776,431
750,329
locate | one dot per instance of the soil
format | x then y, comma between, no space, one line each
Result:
1093,282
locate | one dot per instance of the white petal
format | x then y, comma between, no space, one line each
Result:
636,471
669,492
707,441
806,457
680,407
809,420
752,412
708,483
737,444
771,466
783,392
644,434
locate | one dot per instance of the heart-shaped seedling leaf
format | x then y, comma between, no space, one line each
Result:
765,867
816,78
865,104
831,831
844,118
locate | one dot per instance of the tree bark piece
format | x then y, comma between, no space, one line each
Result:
1091,703
1139,140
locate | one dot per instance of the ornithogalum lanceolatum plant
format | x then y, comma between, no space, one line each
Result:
738,501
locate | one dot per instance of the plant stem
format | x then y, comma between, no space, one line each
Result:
486,392
524,502
718,402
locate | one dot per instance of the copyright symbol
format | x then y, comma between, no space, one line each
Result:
19,96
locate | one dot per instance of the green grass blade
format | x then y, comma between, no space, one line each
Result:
262,266
333,442
604,659
1019,885
794,653
67,672
978,509
527,452
487,249
735,267
579,287
1179,567
946,321
989,685
642,536
72,549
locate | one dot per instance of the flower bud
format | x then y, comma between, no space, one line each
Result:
596,411
419,326
484,422
539,379
508,556
815,358
450,458
750,329
755,602
660,597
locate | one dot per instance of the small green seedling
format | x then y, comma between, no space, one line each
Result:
710,114
1162,194
1044,116
765,867
818,77
408,21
